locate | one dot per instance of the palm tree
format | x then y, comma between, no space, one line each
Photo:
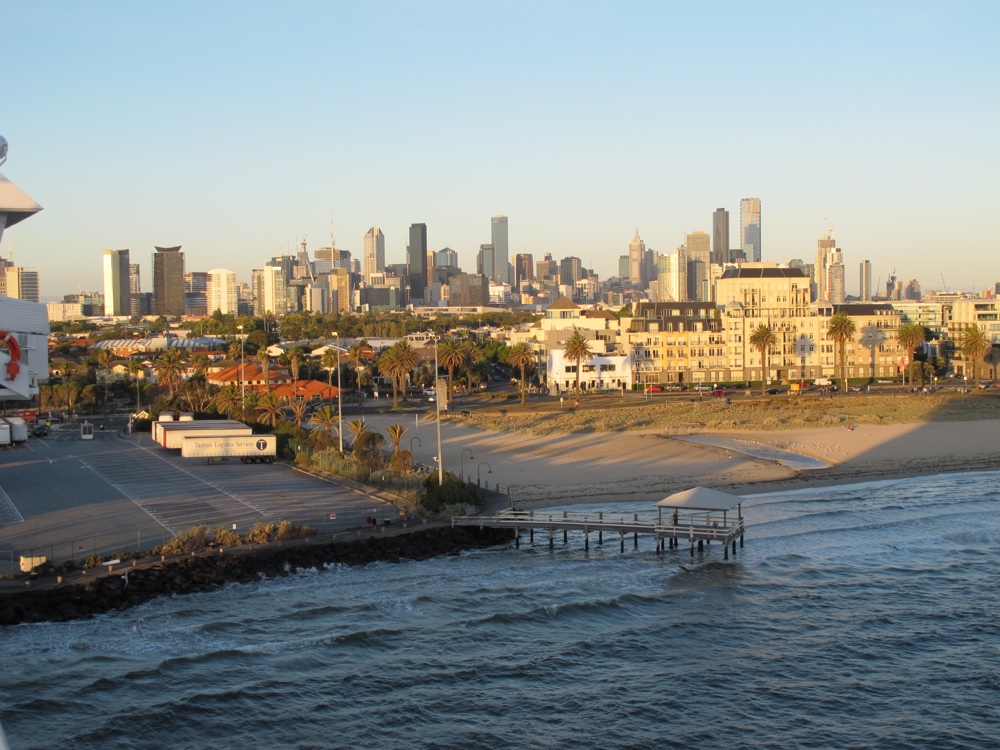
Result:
200,363
395,433
390,366
133,367
520,355
763,339
294,361
229,401
325,417
408,359
298,407
577,350
265,369
168,368
471,356
357,428
450,356
842,329
330,361
355,353
269,409
104,358
249,407
910,336
975,346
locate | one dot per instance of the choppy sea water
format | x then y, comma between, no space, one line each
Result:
864,616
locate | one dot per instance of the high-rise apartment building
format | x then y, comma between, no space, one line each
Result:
720,236
836,278
19,283
117,290
134,281
826,246
570,270
374,253
866,281
222,292
623,267
486,261
168,281
270,291
671,276
340,290
637,261
750,228
501,257
416,261
699,257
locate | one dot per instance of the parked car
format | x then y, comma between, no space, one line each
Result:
674,387
718,392
772,391
703,387
40,430
653,388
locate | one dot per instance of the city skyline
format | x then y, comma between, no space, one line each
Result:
238,158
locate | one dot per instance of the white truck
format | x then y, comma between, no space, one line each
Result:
822,381
250,449
4,433
170,434
18,429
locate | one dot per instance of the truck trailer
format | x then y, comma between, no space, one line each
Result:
18,429
169,434
250,449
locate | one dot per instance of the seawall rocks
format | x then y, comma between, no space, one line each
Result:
206,572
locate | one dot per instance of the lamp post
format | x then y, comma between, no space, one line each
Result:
471,458
340,414
418,443
479,474
243,391
437,409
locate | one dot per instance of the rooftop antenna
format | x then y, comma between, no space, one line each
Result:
333,244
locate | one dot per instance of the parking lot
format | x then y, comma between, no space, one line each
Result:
64,492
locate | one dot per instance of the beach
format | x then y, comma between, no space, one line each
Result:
639,466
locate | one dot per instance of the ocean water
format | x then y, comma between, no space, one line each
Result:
864,616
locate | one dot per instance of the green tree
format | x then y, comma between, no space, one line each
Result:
298,407
330,361
450,356
357,427
395,433
911,336
390,366
521,356
105,358
763,339
228,401
269,409
265,369
842,329
326,418
577,350
975,346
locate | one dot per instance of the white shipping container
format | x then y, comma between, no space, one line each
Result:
18,429
249,448
175,438
4,433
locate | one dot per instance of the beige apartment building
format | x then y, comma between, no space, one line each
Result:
677,343
984,313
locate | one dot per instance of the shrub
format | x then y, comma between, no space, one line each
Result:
226,537
303,459
189,540
452,492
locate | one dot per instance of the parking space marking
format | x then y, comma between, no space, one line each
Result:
9,514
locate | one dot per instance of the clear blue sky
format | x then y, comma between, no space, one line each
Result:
233,128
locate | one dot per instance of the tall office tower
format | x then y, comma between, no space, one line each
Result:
19,283
750,228
117,294
374,253
196,292
168,281
836,281
911,290
501,257
699,257
340,283
672,276
270,291
524,268
447,257
825,248
134,281
637,261
222,292
570,270
866,281
416,261
486,261
720,236
649,267
623,267
547,271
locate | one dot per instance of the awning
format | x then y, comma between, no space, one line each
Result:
701,498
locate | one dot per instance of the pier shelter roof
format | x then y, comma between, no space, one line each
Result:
701,498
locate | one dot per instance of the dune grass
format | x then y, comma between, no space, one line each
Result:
611,414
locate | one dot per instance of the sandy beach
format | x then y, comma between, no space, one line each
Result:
548,470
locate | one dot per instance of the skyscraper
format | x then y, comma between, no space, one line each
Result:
750,228
134,281
524,268
825,248
19,283
374,253
636,260
570,270
866,281
117,289
446,257
416,261
699,257
836,278
486,261
168,281
720,236
672,276
222,292
501,252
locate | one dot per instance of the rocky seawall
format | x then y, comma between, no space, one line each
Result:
105,592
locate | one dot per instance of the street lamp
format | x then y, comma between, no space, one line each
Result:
418,443
243,389
471,458
437,409
479,475
340,414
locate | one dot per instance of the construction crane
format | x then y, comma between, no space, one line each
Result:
829,226
944,283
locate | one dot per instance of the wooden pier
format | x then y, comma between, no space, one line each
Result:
690,526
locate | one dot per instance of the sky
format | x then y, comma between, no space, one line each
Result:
237,129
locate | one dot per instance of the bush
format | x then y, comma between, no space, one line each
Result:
452,492
226,537
303,459
189,540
